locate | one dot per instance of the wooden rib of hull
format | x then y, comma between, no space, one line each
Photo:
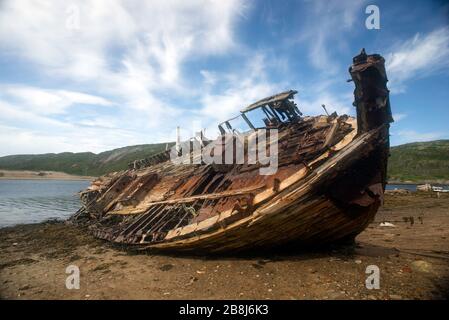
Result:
295,216
329,184
315,222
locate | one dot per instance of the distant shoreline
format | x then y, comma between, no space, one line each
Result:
40,175
57,175
434,182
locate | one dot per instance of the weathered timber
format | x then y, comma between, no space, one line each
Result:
329,182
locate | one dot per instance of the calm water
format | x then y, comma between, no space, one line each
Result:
410,187
29,201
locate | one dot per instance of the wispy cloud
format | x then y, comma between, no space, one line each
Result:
117,49
418,57
327,29
48,101
244,86
406,136
399,116
134,70
129,60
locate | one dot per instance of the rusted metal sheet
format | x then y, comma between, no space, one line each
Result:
329,181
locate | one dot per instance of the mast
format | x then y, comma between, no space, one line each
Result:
371,95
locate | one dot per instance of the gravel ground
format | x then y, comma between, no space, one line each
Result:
412,257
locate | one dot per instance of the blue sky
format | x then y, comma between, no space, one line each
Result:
96,75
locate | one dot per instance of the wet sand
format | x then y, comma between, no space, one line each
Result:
39,175
413,258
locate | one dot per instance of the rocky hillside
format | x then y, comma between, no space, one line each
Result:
420,162
84,163
413,162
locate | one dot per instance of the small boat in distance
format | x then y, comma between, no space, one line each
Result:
327,185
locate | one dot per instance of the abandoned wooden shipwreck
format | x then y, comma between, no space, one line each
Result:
328,186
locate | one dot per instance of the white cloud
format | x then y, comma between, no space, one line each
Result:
243,87
48,101
131,55
13,113
119,43
333,102
418,57
325,33
406,136
128,53
327,27
210,78
166,33
399,116
17,140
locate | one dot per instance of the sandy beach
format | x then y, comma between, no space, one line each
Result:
39,175
412,256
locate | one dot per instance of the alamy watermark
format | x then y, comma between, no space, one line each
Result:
258,147
72,21
373,280
73,280
373,20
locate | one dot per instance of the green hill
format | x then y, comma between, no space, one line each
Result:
420,162
83,163
414,162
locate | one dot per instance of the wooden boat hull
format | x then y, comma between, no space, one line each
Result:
304,215
329,185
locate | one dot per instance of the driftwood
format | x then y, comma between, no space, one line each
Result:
328,185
